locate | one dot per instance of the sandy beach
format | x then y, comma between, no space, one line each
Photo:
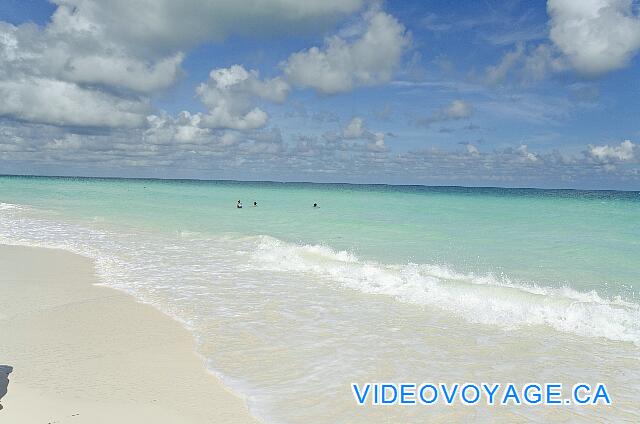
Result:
79,353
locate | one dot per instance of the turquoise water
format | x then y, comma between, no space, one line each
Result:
375,283
586,240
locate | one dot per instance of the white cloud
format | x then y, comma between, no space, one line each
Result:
542,61
241,82
497,73
123,71
458,109
363,55
185,128
220,117
527,64
377,142
525,155
472,150
354,129
605,153
597,36
265,155
74,78
62,103
123,49
82,57
230,94
169,25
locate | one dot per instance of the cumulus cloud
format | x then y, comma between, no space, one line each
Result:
61,103
185,128
525,155
266,154
56,76
230,93
590,36
166,25
354,129
472,150
377,142
84,57
605,153
123,71
220,117
364,55
597,36
120,52
456,110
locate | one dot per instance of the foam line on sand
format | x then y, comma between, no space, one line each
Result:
74,352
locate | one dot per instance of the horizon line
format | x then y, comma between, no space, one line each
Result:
313,182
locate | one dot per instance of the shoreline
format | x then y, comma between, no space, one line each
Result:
88,353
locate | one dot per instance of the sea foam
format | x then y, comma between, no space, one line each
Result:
145,265
484,299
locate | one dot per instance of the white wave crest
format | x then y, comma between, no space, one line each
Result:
481,299
140,266
7,206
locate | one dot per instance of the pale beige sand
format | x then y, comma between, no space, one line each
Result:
87,354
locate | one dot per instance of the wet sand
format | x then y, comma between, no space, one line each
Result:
74,352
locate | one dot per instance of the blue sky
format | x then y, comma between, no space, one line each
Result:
507,93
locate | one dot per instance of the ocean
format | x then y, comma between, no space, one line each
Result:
290,304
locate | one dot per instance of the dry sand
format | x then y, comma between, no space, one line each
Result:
79,353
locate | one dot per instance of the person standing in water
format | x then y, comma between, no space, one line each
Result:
239,205
315,205
255,204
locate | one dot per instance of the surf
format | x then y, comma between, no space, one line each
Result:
484,299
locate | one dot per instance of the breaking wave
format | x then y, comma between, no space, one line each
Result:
484,299
144,264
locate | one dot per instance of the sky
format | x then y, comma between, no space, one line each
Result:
479,93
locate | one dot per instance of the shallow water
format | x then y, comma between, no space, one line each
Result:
290,304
